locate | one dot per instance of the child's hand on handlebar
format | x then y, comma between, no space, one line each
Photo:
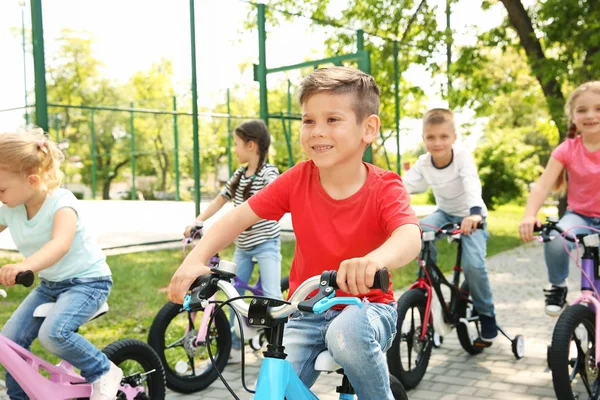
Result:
356,275
183,278
469,224
526,228
9,272
188,230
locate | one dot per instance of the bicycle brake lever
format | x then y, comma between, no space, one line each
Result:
325,304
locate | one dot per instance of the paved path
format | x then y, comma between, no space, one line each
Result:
517,277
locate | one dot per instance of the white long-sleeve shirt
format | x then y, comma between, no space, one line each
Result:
456,186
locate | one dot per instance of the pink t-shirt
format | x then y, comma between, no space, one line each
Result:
583,170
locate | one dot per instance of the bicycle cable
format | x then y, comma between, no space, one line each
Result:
219,306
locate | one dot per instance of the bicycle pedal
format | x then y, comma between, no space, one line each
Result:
481,343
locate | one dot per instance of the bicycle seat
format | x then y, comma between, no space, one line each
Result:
43,310
326,363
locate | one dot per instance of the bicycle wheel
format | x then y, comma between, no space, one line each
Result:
408,356
187,366
467,333
397,389
141,367
572,358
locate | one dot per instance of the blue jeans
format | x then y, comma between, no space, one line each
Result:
76,301
268,256
473,260
357,338
557,258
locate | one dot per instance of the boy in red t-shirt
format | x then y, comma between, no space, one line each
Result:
347,215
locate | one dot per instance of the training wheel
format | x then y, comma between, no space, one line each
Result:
518,346
437,340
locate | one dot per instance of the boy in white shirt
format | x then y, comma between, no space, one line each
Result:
452,175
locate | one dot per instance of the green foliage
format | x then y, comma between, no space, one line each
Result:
506,166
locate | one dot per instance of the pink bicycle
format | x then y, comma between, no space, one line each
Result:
143,374
574,355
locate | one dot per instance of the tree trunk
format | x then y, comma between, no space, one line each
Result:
537,60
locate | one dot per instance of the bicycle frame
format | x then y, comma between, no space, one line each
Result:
277,380
589,267
24,367
430,278
276,377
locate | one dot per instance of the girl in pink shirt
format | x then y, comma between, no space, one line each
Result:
578,157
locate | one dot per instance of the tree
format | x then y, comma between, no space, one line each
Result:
559,41
412,23
74,80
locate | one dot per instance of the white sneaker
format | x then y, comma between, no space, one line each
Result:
235,357
107,386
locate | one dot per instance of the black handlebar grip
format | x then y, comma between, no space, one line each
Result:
381,280
25,278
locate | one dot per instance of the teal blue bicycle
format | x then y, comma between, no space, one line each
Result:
276,378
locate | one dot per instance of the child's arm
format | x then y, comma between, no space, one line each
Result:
472,185
222,233
63,232
538,194
214,206
2,227
356,275
413,179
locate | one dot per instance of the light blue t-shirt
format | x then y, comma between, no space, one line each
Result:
84,259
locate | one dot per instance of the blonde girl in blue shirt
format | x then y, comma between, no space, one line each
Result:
47,229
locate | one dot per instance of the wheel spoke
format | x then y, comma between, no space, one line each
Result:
178,342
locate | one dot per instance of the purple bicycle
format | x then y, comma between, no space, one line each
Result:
144,377
574,355
181,338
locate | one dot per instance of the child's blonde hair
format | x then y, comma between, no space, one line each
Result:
437,116
32,153
342,80
560,186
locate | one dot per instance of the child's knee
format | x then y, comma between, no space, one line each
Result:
52,337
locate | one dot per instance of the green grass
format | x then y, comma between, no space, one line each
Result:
141,280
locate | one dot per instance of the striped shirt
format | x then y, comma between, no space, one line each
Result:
264,229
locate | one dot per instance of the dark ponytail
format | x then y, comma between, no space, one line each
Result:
252,131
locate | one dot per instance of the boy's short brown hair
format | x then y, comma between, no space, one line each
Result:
341,80
437,116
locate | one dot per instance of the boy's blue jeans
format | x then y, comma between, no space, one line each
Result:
268,256
357,338
557,258
473,260
76,301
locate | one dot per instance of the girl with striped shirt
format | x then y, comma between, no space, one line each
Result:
261,241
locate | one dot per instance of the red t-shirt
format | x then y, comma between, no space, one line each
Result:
330,231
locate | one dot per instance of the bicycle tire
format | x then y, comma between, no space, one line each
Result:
125,350
220,334
464,337
560,359
397,389
410,378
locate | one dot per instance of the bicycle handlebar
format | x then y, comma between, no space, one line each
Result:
198,298
25,278
451,227
551,225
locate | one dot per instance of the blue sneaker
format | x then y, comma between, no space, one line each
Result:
489,330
